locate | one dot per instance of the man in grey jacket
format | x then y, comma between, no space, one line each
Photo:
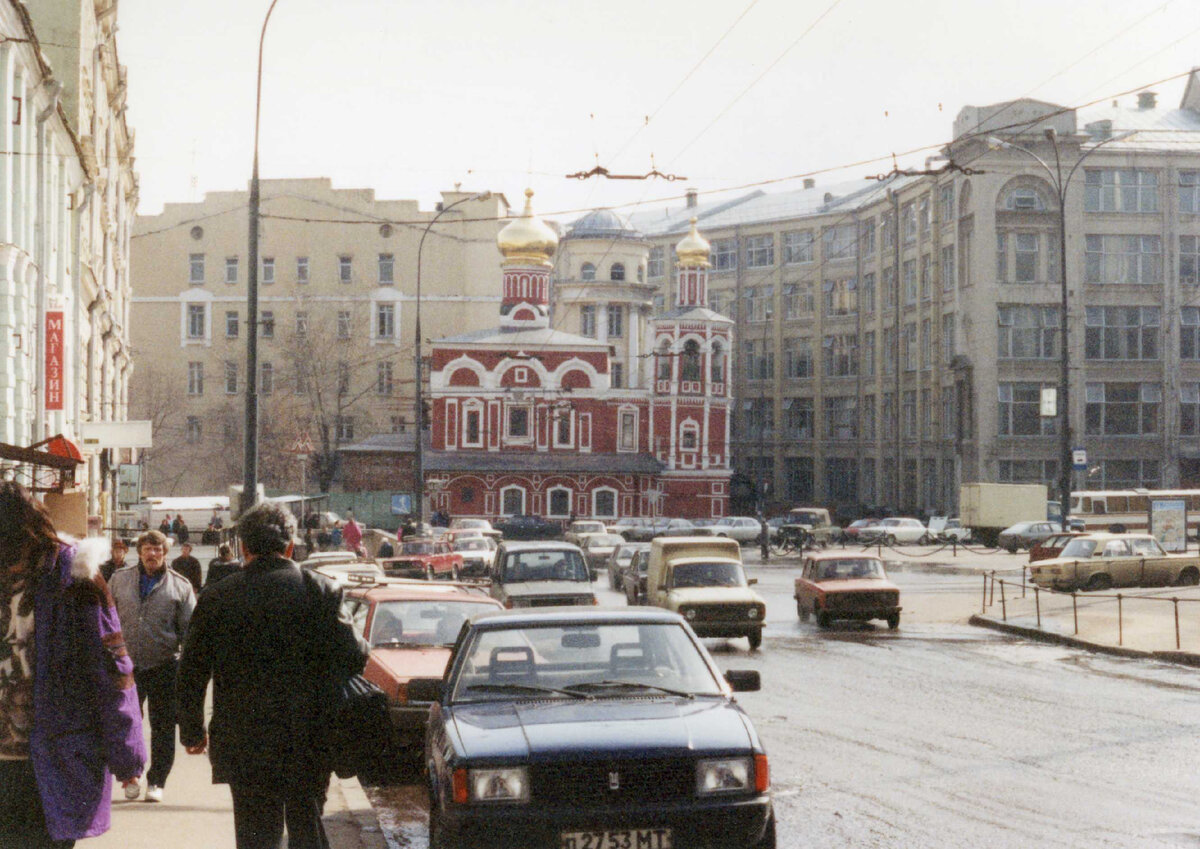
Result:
155,606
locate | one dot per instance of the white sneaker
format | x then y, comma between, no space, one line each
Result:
153,794
133,789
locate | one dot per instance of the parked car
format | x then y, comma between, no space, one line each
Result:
678,528
1103,561
815,522
852,531
591,728
579,527
347,573
1026,534
894,531
596,550
702,579
483,526
411,628
633,582
836,586
541,574
478,554
1051,546
744,529
529,527
324,558
427,558
618,562
947,529
628,526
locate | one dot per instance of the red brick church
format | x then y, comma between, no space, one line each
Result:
528,418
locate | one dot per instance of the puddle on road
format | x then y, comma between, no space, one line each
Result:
402,814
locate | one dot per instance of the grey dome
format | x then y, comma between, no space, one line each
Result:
603,224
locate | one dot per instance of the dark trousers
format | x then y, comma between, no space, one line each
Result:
157,686
22,823
260,813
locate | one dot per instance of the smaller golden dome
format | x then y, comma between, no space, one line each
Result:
693,249
527,240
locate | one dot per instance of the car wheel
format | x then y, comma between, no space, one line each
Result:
925,540
1099,582
894,621
454,574
755,639
1189,577
889,540
802,611
823,619
429,573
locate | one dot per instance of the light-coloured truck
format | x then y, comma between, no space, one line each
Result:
989,508
702,579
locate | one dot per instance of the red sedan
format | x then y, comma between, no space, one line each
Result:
840,586
424,558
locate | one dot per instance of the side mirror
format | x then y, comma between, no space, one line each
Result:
425,690
741,680
751,581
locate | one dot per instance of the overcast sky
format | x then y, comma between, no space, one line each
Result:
409,98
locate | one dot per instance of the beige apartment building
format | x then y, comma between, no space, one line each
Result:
895,335
337,302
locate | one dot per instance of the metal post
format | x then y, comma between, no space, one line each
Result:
1037,603
1003,603
983,605
1075,612
1175,602
1022,582
1120,621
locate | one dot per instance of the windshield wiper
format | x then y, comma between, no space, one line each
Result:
400,644
530,688
634,685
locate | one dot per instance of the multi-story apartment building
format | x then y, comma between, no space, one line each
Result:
895,335
337,284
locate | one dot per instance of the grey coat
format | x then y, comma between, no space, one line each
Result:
154,629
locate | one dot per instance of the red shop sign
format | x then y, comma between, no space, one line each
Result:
54,360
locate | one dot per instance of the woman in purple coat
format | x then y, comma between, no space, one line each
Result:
69,717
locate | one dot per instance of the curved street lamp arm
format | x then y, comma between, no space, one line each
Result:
258,94
1093,149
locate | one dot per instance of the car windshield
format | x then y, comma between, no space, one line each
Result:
1079,548
469,523
802,517
624,554
554,565
1143,546
857,567
472,544
708,574
602,661
417,547
421,623
605,541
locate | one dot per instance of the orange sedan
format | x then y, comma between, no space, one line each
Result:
835,586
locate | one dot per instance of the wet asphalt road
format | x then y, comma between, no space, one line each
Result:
944,735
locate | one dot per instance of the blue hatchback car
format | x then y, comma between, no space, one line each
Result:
571,728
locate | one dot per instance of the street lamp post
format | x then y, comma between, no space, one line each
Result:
250,454
1061,186
418,393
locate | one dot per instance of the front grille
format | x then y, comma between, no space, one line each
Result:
396,568
861,601
555,600
592,782
722,613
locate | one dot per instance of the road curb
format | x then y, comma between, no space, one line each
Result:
351,822
1179,657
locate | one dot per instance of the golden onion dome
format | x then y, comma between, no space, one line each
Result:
693,249
528,239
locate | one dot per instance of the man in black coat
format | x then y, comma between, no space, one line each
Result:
221,566
271,639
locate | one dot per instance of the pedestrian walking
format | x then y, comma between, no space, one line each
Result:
180,529
120,549
335,535
164,527
68,711
188,566
222,566
352,535
270,638
155,605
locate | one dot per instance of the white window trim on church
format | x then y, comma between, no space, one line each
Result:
550,502
503,499
612,514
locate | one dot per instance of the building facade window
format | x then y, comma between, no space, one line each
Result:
946,203
949,414
267,323
908,215
760,360
345,428
1123,259
798,479
1189,191
760,418
604,503
383,378
587,320
924,218
1028,471
1189,333
1027,332
839,242
518,424
910,282
868,418
887,415
910,346
197,315
232,324
866,237
724,254
909,412
559,502
472,436
798,417
948,338
343,324
563,427
231,378
1120,190
617,380
760,302
266,377
1189,409
888,294
385,321
926,345
1189,260
656,265
760,251
867,293
196,269
512,501
1122,409
717,359
868,354
194,430
797,247
797,301
268,270
841,417
926,414
587,272
628,431
1020,410
841,355
1122,333
195,378
345,269
1125,474
616,272
616,320
387,269
926,279
1024,199
231,270
302,324
947,268
797,357
302,270
689,437
890,350
841,296
689,361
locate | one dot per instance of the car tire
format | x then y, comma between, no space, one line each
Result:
802,611
823,619
925,539
889,540
429,573
454,574
1189,577
755,637
437,834
893,621
1099,582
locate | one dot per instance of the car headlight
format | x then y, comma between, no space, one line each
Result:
723,775
505,784
753,613
689,613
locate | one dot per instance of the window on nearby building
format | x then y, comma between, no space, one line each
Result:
888,292
841,296
616,272
195,379
717,302
909,413
1189,260
472,427
924,218
887,230
345,269
663,360
760,251
266,378
949,414
910,282
345,428
387,269
797,300
656,264
841,417
1189,191
617,376
518,423
232,324
628,431
868,418
689,361
1189,333
1024,199
1123,259
946,203
910,346
1029,471
798,417
1002,256
887,415
1122,409
302,269
947,269
301,324
194,432
868,354
562,426
560,502
889,350
724,254
385,321
231,270
231,378
266,322
908,216
797,247
1120,190
798,479
839,242
717,358
926,345
948,343
196,320
1020,410
926,279
797,357
396,424
760,418
268,270
1122,333
866,296
512,501
866,237
1027,332
965,237
1125,474
383,378
343,378
343,324
1025,268
926,414
841,355
587,320
587,272
616,320
604,504
1189,409
195,268
760,360
760,302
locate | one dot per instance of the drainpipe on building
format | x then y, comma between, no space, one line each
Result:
40,247
80,372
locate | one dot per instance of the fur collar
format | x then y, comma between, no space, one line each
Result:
88,555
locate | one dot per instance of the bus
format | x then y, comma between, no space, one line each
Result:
1101,509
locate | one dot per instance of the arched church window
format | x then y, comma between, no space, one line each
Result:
690,367
664,361
617,272
718,363
587,271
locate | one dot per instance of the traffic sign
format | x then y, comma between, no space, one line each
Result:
1079,459
302,444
